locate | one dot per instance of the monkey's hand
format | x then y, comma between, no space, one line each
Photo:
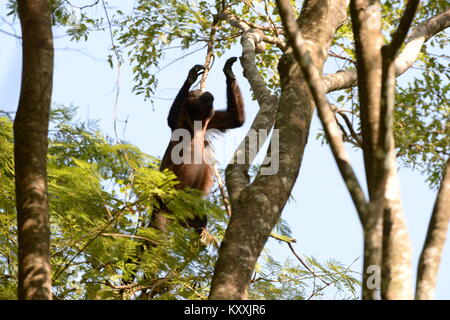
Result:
227,68
195,71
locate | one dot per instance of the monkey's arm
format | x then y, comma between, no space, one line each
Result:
234,116
173,120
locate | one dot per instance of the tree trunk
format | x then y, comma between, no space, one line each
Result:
30,150
397,251
261,203
430,257
366,23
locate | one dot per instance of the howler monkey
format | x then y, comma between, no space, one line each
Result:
193,111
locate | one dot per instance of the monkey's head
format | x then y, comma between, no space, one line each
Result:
199,105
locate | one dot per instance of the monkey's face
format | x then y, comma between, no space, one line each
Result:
200,105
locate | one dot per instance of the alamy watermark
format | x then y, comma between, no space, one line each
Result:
373,281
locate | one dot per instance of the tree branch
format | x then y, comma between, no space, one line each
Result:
257,204
349,124
130,236
82,7
305,265
421,33
65,264
209,52
237,174
245,26
396,256
223,193
325,112
400,34
366,26
430,257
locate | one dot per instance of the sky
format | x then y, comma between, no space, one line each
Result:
321,214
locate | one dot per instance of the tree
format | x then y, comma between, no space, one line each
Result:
30,151
284,52
102,195
386,239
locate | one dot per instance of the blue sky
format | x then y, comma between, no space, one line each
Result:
322,216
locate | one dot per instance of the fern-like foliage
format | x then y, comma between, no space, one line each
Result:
102,195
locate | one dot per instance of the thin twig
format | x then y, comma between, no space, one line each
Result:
332,54
120,235
10,34
209,52
119,64
64,266
350,127
223,193
82,7
305,265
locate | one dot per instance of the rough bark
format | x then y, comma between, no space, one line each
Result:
396,257
386,238
430,257
237,174
366,23
243,243
257,204
30,150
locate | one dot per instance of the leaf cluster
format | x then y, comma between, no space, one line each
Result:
102,196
